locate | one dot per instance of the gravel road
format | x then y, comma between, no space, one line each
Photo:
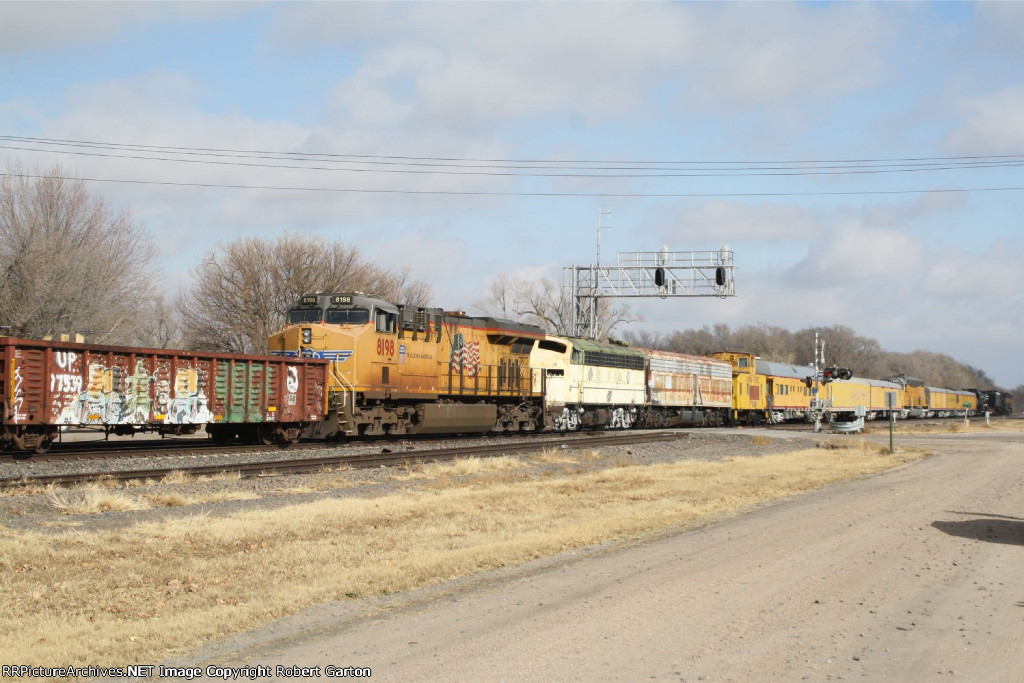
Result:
913,575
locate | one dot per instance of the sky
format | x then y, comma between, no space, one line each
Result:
863,161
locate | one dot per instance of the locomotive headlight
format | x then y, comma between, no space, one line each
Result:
307,335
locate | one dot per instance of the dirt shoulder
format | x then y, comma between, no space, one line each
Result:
912,575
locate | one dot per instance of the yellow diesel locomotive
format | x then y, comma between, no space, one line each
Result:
414,370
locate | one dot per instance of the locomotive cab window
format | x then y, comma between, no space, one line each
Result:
386,322
551,345
297,316
347,316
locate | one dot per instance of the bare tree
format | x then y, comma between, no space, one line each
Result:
69,262
507,297
844,347
700,342
160,326
645,339
1018,398
240,292
547,304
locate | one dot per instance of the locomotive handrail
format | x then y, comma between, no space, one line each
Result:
342,381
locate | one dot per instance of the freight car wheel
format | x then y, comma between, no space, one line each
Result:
266,435
220,435
43,446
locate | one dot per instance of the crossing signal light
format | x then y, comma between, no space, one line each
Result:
831,373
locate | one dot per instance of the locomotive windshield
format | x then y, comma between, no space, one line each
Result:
347,316
304,315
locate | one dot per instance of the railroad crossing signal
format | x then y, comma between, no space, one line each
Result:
828,374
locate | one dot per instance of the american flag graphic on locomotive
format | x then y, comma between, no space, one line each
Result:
465,355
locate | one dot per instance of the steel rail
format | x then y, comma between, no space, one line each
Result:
304,465
102,449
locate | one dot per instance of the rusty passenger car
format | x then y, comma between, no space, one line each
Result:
46,385
686,390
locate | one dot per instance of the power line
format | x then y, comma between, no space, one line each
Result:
660,173
515,194
642,168
508,161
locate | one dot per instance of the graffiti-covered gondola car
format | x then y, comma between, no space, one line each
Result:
45,385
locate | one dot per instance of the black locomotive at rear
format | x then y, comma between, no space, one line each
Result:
994,402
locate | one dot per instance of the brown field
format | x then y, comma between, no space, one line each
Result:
145,592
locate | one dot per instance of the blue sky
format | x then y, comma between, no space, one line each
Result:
671,82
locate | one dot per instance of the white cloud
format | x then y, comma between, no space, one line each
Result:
502,61
720,221
934,206
859,258
47,26
1001,26
954,274
773,52
163,108
992,123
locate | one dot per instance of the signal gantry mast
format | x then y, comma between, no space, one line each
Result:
646,274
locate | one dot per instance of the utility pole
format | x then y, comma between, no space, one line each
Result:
601,213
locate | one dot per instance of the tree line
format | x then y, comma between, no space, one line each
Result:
71,263
842,347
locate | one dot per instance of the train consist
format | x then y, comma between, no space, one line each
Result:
349,365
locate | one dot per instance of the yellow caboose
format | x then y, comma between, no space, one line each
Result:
414,370
749,389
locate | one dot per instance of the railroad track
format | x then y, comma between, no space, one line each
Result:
99,449
385,458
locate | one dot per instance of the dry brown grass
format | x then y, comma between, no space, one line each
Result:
144,592
460,467
179,500
177,477
555,456
93,499
223,476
